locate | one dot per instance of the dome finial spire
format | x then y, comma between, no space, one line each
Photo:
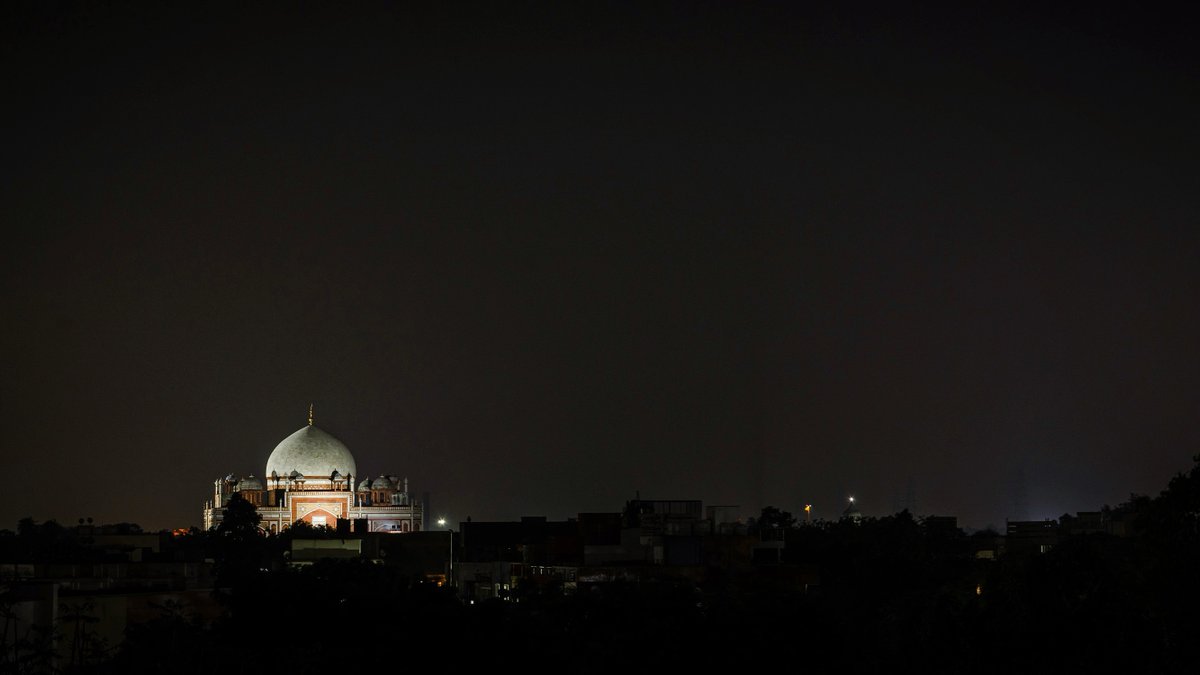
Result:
310,414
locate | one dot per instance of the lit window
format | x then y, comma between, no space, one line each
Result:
318,521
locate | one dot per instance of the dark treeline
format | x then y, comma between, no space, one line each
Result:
895,594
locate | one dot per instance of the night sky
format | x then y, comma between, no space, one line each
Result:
538,259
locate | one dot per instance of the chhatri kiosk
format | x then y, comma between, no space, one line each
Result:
311,476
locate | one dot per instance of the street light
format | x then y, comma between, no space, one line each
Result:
442,523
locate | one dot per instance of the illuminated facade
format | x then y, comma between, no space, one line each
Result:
311,476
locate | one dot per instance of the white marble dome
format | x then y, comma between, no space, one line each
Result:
313,453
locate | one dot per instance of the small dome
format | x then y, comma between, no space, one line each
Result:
250,483
296,475
382,483
365,484
337,476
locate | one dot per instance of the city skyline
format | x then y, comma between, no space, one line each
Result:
544,259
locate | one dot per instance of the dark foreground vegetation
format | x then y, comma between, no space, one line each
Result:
895,595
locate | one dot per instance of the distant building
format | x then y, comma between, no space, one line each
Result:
941,525
724,518
312,477
1030,536
418,554
534,553
664,516
75,594
852,513
663,531
533,540
986,545
649,540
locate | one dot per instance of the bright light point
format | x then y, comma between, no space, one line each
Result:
852,500
441,522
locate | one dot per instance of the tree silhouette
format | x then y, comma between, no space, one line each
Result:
773,517
240,521
240,544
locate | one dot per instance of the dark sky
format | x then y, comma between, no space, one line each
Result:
537,259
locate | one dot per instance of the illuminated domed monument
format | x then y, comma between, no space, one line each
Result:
311,476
